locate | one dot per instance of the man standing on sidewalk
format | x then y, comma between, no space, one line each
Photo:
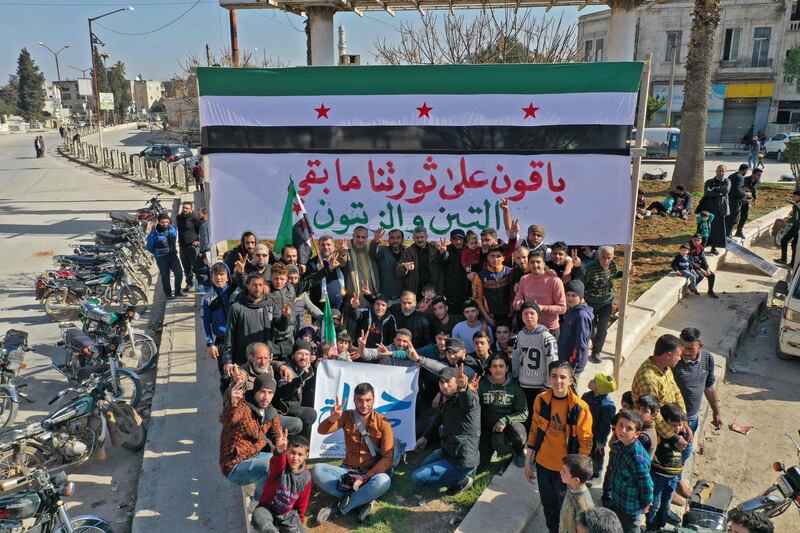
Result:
162,243
188,240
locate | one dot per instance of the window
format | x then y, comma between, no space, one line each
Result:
795,11
761,38
673,41
598,50
587,51
732,39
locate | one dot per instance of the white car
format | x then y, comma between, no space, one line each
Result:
777,144
789,328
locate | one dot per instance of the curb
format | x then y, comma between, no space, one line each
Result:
647,311
116,174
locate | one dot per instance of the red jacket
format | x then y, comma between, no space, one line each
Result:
285,490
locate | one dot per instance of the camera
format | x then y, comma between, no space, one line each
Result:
346,482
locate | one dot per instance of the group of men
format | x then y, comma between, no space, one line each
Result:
728,199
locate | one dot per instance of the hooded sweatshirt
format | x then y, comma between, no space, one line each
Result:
286,490
501,403
249,321
573,340
379,330
533,353
215,306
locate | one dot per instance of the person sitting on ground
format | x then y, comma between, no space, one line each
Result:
683,202
248,420
698,256
641,206
544,289
458,426
293,388
683,265
575,470
663,207
630,487
369,449
576,328
598,520
503,412
534,350
603,410
284,498
562,424
749,522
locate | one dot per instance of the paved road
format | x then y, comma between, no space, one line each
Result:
132,140
45,205
772,169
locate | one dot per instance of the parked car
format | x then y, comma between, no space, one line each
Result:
777,144
142,125
170,153
789,327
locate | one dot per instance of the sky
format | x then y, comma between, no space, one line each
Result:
155,54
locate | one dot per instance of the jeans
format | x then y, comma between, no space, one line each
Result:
327,476
551,492
602,314
692,277
598,459
188,257
663,487
253,470
439,471
265,521
630,523
165,265
693,421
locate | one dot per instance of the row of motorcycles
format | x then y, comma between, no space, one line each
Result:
97,294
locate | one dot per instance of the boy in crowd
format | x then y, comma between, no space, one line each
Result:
504,341
647,407
215,305
626,402
749,522
534,350
704,220
562,264
666,469
629,484
497,282
284,498
471,324
603,409
576,328
698,256
683,265
575,470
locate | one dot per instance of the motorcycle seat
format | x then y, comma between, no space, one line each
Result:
124,216
82,259
77,339
110,238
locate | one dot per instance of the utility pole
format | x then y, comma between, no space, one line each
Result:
208,56
58,76
94,72
234,38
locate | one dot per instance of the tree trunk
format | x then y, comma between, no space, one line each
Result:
694,114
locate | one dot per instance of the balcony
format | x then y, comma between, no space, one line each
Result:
794,25
746,63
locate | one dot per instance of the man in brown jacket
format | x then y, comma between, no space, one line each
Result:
421,263
362,478
247,421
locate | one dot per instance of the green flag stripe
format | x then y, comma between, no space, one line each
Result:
284,237
422,79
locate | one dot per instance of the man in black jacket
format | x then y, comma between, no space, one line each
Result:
458,423
407,317
188,240
456,286
252,318
735,197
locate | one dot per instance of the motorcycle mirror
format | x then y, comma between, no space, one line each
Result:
778,466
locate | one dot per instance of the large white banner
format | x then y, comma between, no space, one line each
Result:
395,398
578,198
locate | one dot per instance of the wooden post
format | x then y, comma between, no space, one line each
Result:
637,163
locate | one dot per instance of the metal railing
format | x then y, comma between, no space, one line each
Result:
746,63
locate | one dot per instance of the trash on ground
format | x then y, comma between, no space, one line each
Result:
738,428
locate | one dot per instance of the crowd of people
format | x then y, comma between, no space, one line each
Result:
500,332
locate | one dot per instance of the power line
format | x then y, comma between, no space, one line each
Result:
170,23
104,4
273,19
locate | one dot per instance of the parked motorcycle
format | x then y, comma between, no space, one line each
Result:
70,435
709,502
12,361
137,351
84,356
36,506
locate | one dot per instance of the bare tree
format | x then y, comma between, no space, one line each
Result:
494,36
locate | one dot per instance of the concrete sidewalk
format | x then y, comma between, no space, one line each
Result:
181,488
662,309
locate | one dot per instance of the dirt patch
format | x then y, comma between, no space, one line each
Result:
46,253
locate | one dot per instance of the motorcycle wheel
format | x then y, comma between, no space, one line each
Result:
61,315
146,275
15,463
129,386
8,409
148,353
133,296
87,524
130,425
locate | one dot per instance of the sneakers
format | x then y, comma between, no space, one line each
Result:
739,234
713,251
324,514
695,292
594,358
365,511
712,294
179,294
519,459
461,486
171,296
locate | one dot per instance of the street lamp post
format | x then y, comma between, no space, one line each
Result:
94,73
58,74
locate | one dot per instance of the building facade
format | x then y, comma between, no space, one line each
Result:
145,93
748,87
76,96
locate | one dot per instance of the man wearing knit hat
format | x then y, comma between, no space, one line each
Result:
576,328
603,409
535,240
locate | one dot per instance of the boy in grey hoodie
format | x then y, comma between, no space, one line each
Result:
535,348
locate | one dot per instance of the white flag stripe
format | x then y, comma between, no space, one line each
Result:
401,110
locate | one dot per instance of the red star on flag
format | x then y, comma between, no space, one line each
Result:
530,111
424,111
322,111
297,209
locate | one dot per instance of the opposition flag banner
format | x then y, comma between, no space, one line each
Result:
433,146
294,229
395,398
